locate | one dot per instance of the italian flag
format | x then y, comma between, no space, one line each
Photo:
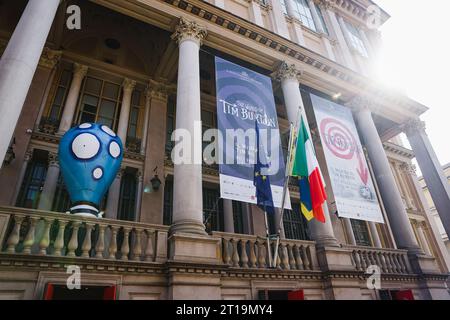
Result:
306,168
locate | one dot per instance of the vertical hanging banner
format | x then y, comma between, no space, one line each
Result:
243,97
351,182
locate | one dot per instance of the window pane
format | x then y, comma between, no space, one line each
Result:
87,117
65,78
59,97
106,121
111,90
135,98
93,86
54,113
107,109
90,100
134,115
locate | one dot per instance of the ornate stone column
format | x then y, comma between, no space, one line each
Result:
279,19
228,219
50,184
139,189
49,59
345,50
148,98
112,202
289,76
316,18
79,72
403,172
431,169
188,199
128,87
255,10
23,170
392,200
19,62
349,231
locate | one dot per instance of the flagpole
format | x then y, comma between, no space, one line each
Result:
286,182
269,251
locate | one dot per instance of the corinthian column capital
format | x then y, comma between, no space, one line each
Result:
189,30
326,4
288,71
53,159
128,84
49,58
414,125
361,103
79,70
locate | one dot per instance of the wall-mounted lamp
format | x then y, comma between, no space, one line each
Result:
154,184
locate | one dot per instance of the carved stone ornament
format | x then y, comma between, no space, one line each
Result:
413,126
128,84
49,58
288,71
189,30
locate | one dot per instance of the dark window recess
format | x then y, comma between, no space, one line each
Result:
33,181
396,295
168,203
61,292
281,294
61,202
238,217
127,200
361,233
212,210
295,224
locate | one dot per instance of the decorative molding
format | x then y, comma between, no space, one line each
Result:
128,84
157,90
189,30
49,58
413,126
53,159
288,71
79,70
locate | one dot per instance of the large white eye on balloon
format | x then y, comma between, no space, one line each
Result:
114,149
85,146
108,131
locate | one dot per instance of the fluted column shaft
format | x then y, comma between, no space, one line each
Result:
188,198
79,72
289,76
228,221
128,87
50,184
430,166
19,62
393,203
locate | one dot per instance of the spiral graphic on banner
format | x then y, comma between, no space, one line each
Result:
338,138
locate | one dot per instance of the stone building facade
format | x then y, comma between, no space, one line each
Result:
145,68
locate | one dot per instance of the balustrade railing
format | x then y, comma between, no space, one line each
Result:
32,232
247,251
391,261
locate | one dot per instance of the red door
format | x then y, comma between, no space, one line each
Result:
404,295
296,295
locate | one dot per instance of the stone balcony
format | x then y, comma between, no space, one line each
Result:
234,265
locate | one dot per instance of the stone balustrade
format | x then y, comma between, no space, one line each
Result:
248,251
34,232
390,261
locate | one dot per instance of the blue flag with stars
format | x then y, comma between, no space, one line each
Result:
260,181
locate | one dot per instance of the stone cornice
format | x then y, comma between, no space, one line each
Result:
352,81
398,150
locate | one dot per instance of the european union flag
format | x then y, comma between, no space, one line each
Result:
260,181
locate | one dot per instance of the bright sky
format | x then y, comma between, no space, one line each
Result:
415,58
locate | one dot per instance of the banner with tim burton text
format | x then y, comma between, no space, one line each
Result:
351,182
243,97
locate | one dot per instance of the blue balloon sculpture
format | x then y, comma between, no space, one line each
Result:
90,156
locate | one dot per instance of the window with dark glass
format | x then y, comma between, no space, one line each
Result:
127,200
99,102
170,124
61,202
134,113
322,19
355,39
238,217
168,203
212,210
361,232
33,181
295,224
60,96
